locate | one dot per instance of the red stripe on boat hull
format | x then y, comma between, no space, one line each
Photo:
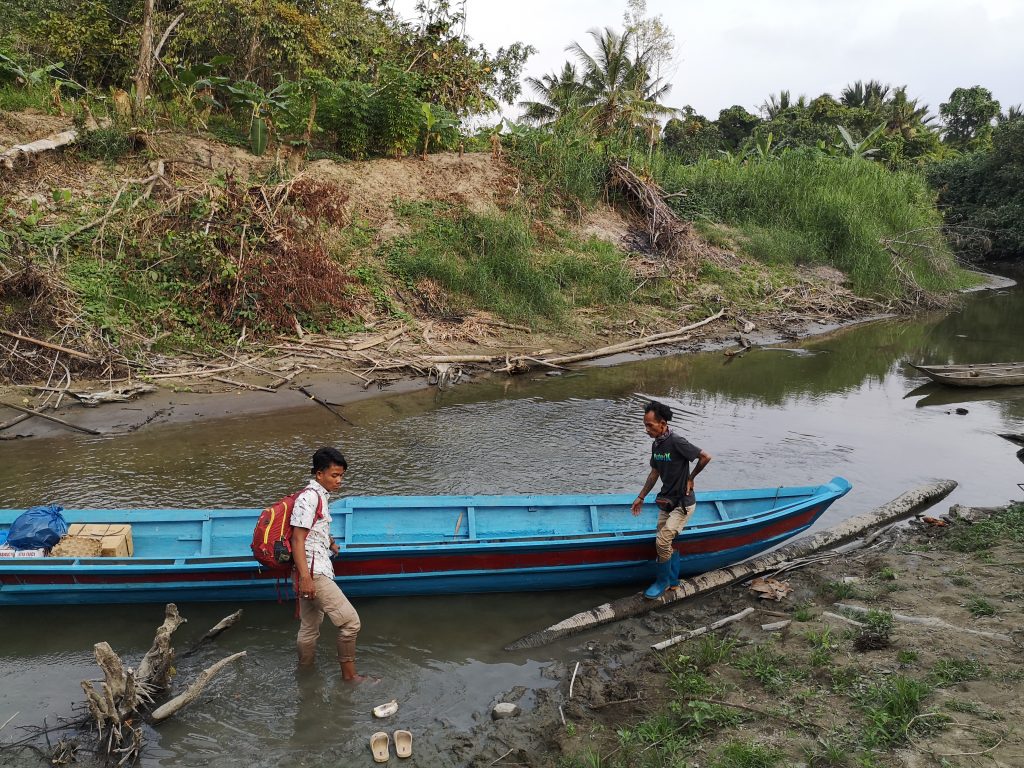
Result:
444,563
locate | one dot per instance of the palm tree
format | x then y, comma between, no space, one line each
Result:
620,90
557,93
871,95
904,116
775,105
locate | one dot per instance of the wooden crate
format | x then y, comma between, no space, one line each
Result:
96,540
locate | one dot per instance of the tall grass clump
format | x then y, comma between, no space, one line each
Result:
562,167
497,262
805,207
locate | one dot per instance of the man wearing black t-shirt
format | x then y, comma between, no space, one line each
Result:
671,454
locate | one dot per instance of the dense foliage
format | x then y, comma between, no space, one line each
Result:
982,195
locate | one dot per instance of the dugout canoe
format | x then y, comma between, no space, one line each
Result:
417,545
976,374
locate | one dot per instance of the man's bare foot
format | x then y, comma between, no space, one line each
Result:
368,679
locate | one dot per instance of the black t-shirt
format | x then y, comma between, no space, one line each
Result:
671,455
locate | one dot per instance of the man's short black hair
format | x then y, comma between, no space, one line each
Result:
326,457
660,410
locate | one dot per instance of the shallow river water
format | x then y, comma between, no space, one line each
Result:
848,405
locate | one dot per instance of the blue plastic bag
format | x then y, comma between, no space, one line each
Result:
38,527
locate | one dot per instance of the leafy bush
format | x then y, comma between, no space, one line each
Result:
394,114
982,195
343,111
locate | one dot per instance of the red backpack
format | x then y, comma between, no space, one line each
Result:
272,538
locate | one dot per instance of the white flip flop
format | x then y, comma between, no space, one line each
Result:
380,746
403,743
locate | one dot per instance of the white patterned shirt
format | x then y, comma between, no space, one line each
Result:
318,540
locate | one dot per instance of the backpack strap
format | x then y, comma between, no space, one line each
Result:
317,516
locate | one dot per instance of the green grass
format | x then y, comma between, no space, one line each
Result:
950,671
803,611
839,590
891,707
979,606
807,208
822,645
766,665
743,754
1002,528
497,263
15,99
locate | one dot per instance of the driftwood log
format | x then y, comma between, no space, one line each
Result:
11,156
902,506
119,706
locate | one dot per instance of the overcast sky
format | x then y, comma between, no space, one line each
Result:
740,51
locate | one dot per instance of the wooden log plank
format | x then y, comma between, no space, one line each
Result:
902,506
702,630
10,156
50,345
48,417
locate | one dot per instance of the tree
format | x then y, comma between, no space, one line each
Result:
692,137
983,193
736,125
621,93
871,94
968,117
452,72
557,93
775,105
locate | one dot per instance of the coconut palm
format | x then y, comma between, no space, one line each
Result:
871,95
904,116
557,93
621,92
775,105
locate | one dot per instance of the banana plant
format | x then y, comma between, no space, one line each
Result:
195,85
865,147
263,107
438,123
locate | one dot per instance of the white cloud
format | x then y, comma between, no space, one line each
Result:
740,51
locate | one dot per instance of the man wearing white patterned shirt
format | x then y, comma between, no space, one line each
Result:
312,548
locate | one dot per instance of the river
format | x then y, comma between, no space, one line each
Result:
846,404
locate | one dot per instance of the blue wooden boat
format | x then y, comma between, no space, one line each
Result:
417,545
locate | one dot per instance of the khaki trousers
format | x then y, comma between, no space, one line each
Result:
329,600
669,526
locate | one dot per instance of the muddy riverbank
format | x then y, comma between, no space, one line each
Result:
821,689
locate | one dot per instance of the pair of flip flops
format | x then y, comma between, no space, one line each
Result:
380,745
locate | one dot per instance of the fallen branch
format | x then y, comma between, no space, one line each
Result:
226,623
49,345
19,151
838,617
166,710
324,403
636,604
666,337
379,339
46,416
701,630
243,385
930,621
